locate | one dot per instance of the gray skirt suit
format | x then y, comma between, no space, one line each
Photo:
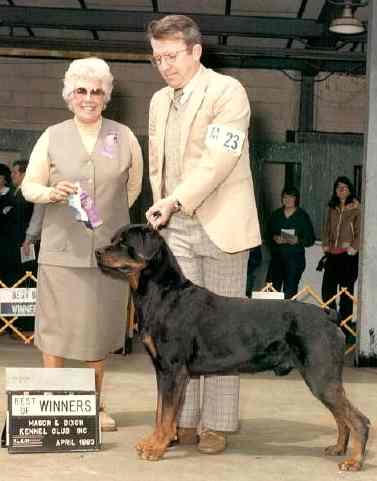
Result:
81,313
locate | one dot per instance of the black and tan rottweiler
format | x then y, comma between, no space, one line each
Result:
188,330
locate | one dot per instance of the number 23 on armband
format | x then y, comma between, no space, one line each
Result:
221,137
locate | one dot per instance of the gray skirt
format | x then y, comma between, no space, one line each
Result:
80,312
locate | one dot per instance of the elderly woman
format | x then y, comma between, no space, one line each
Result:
80,312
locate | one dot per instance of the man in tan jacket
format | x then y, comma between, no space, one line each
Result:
203,195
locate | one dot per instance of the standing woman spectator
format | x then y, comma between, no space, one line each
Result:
6,206
290,231
341,243
15,215
21,218
80,311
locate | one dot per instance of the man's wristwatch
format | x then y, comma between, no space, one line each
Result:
177,206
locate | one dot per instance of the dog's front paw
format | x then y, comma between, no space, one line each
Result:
335,450
152,452
350,465
151,448
140,445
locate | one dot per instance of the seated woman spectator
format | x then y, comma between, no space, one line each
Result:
340,243
290,231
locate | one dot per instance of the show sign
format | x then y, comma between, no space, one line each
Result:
18,301
51,410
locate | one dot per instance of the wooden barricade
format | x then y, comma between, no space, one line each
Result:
308,291
8,321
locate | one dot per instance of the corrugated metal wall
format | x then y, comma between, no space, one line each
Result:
323,157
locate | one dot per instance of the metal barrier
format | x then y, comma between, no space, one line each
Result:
9,320
308,291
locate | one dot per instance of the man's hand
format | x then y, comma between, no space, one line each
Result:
26,247
61,191
160,212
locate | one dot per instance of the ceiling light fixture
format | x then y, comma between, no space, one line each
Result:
347,24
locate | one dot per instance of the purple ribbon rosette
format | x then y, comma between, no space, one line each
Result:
110,144
84,208
89,207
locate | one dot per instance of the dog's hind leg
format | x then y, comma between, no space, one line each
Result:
170,392
349,419
340,447
359,427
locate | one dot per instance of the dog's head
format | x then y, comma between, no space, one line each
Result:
131,250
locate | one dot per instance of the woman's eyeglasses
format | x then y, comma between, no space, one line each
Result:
169,58
84,92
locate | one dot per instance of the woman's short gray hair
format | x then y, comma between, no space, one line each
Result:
91,68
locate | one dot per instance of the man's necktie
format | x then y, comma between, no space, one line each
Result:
177,98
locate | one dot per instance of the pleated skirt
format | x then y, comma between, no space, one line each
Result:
80,312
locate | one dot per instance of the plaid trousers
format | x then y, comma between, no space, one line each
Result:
201,261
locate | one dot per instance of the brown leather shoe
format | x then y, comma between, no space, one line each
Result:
187,436
106,422
212,442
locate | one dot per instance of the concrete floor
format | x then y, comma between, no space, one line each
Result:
283,431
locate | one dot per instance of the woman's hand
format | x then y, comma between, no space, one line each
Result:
26,247
292,240
278,239
62,190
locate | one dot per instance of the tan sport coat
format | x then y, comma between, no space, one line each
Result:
216,184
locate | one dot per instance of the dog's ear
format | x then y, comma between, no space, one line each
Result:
117,236
152,242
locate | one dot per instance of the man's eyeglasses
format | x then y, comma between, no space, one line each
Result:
169,58
83,92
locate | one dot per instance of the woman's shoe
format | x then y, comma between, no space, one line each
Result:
106,422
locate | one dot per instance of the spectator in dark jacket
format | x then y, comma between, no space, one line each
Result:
23,209
8,223
290,231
